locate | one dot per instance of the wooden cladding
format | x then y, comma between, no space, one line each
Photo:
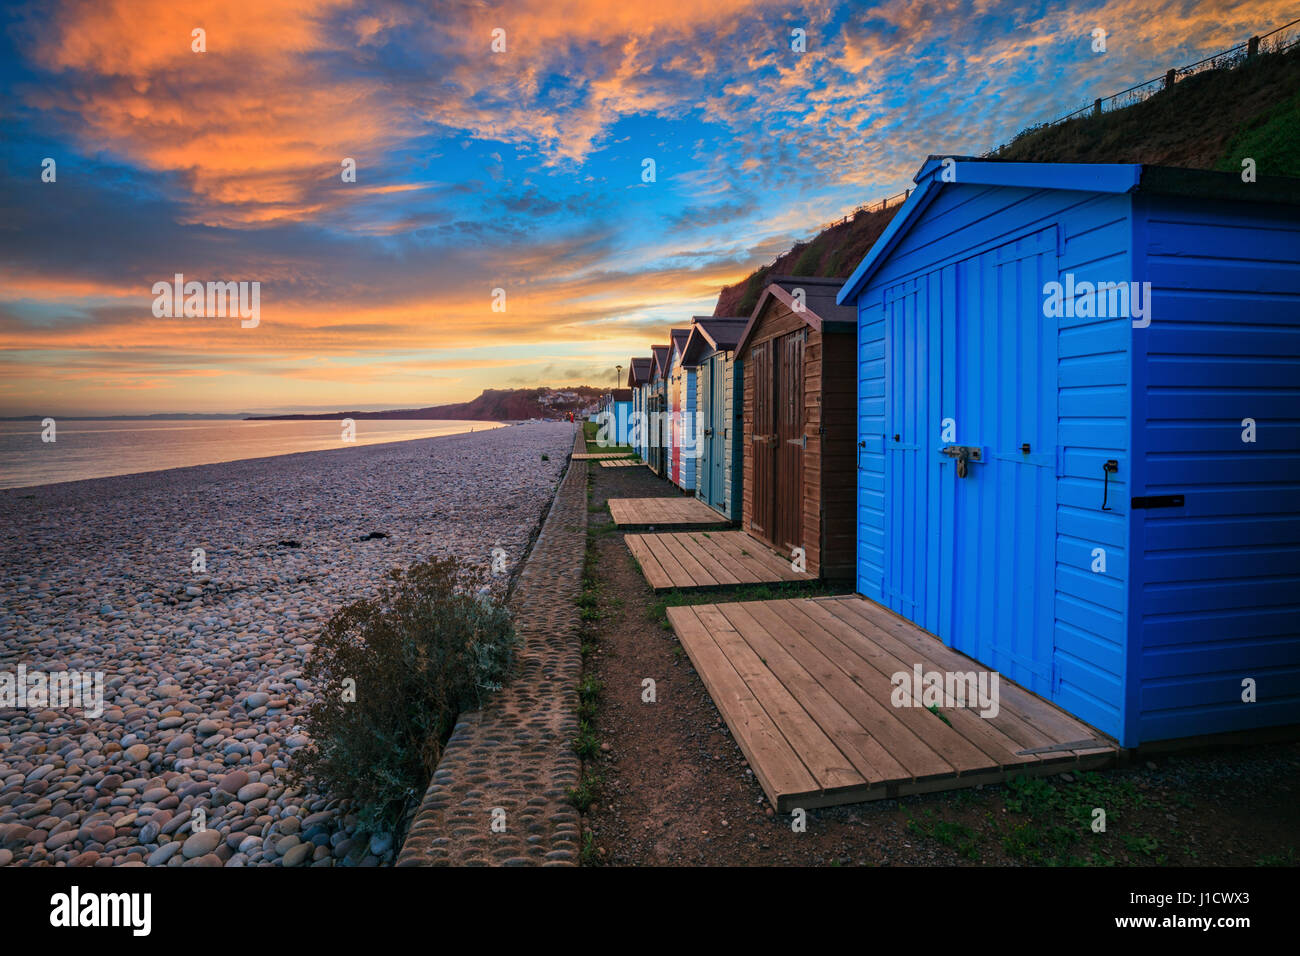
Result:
786,384
759,449
800,473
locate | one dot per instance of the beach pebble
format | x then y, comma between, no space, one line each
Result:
164,853
200,843
205,697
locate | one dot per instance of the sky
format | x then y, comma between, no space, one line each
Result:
520,169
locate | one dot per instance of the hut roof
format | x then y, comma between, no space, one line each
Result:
659,367
1082,177
819,309
678,338
638,371
709,335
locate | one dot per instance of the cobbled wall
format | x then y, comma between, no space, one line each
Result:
515,754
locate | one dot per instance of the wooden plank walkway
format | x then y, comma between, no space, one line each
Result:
709,559
806,684
589,456
621,463
676,511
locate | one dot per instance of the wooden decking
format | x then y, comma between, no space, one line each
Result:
620,463
677,511
709,559
805,686
590,456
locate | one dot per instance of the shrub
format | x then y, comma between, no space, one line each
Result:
808,260
424,649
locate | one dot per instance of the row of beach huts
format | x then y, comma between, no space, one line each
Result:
1052,418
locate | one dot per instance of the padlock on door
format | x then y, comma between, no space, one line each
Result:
962,454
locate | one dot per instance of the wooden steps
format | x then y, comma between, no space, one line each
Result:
677,512
805,686
709,559
592,456
621,463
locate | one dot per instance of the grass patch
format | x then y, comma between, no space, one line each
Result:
1279,859
585,793
589,688
949,833
1273,142
588,854
586,745
1055,821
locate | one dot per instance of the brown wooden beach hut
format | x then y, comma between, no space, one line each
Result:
798,353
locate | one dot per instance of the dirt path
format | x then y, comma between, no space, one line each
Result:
676,789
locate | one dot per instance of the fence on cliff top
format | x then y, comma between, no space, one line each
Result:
1275,41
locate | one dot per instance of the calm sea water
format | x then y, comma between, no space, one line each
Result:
85,449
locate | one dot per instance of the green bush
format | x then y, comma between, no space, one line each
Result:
1273,141
426,648
809,259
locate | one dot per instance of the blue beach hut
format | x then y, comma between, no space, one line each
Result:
1078,396
720,402
638,380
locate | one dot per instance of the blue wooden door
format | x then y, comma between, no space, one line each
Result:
971,361
913,335
1000,390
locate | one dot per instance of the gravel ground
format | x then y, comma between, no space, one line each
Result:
203,693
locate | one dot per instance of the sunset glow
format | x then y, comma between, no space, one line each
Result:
475,170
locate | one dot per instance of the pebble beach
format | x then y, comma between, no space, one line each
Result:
204,697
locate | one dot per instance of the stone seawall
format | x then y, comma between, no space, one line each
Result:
514,757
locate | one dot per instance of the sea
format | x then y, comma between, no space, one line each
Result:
102,449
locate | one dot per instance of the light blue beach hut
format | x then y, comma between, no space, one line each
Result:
719,389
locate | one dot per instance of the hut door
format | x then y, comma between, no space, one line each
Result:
913,581
704,408
717,440
763,444
1001,390
787,526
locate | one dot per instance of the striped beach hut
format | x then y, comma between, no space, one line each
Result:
710,349
1077,436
